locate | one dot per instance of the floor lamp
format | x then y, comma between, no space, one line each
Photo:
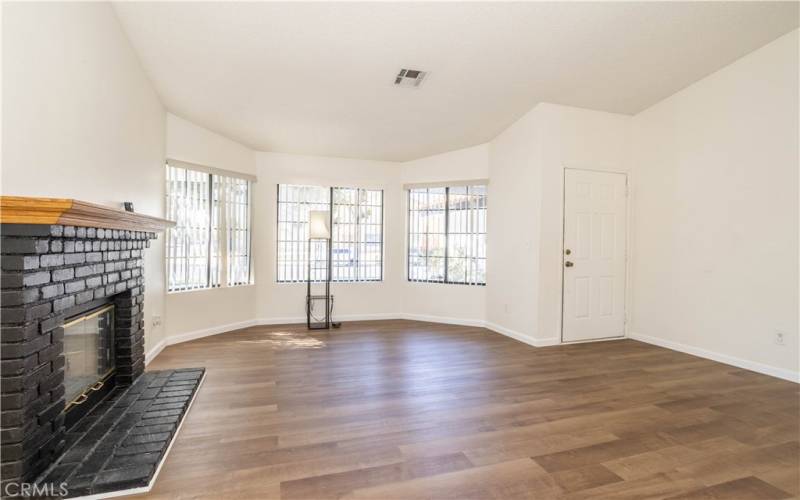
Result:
319,229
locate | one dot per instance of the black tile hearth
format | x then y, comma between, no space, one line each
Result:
121,442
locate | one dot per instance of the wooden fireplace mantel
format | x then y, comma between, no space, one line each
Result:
69,212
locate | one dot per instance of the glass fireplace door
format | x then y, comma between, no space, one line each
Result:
89,351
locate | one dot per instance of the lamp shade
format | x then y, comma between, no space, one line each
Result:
319,224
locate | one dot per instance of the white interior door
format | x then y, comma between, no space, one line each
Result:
595,216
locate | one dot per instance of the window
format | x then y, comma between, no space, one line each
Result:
356,233
212,215
447,234
237,210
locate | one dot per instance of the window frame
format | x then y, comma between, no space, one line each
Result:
330,202
217,208
445,280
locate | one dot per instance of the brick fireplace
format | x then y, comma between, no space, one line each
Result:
51,272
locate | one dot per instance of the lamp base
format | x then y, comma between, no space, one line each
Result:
324,322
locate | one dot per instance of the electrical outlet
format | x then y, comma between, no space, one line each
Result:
780,338
156,321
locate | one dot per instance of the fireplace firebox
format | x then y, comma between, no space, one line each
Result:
89,366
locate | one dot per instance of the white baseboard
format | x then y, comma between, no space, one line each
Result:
286,320
521,336
155,351
207,332
772,371
781,373
290,320
197,334
443,319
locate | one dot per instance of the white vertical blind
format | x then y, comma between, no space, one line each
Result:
294,204
212,215
237,216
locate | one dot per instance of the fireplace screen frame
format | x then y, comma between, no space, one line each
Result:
92,393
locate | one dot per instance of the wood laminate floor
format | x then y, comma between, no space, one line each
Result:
405,409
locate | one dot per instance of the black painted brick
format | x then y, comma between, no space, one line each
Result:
83,297
152,413
146,438
57,334
72,259
74,286
25,229
128,460
14,280
63,274
23,314
23,245
50,323
63,303
51,260
51,291
51,353
11,298
19,333
19,262
82,271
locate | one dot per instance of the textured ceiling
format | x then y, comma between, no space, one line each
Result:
316,78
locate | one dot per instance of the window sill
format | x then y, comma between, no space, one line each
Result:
210,289
421,282
373,282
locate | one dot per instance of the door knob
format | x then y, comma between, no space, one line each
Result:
568,264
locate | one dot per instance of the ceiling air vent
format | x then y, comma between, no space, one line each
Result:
410,78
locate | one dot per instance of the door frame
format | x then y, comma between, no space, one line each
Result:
628,233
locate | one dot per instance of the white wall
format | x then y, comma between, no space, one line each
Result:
81,120
437,301
461,164
715,258
282,302
527,164
194,144
570,138
512,267
189,313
